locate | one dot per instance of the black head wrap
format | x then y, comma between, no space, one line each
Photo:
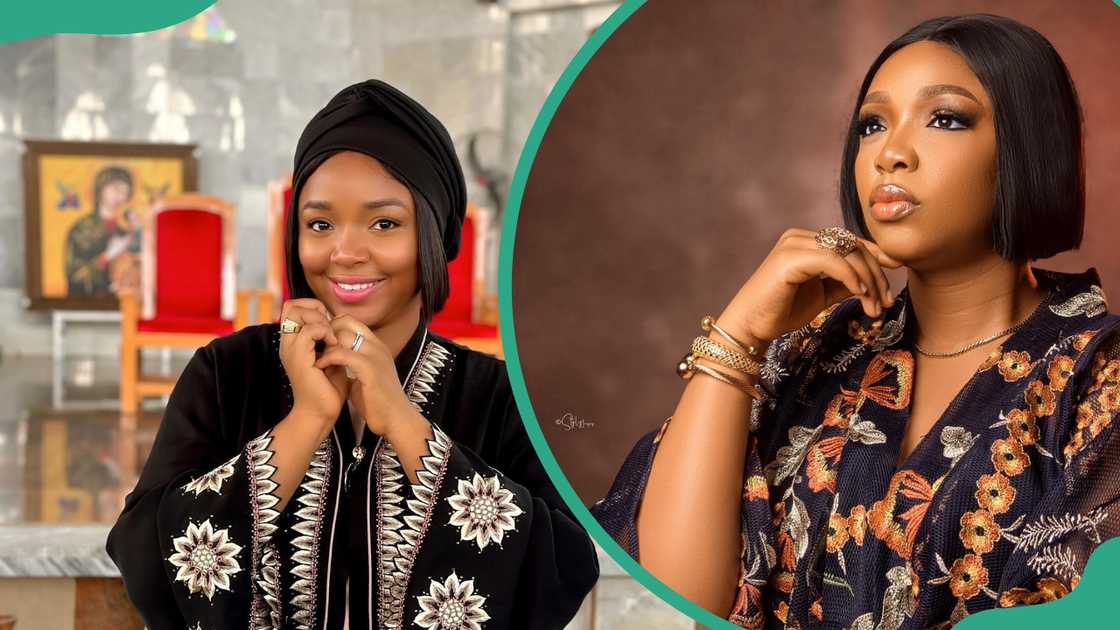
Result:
374,118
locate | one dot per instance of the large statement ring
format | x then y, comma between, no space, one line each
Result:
289,326
838,240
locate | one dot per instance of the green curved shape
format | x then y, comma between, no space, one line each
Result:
1089,603
119,17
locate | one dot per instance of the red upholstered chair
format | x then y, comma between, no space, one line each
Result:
279,199
456,321
187,290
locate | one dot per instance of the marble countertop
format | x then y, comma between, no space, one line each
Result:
55,551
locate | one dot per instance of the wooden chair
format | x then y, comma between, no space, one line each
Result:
188,293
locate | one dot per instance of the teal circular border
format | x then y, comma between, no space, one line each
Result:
1087,603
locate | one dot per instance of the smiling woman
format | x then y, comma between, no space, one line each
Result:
348,468
900,468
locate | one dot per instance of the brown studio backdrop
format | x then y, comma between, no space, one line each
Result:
697,134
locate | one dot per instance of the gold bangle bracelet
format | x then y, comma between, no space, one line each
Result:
689,367
708,324
727,357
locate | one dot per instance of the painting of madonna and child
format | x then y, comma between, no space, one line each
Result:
882,246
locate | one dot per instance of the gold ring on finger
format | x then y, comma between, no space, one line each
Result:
837,239
289,326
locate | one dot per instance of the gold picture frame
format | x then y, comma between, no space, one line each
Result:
85,204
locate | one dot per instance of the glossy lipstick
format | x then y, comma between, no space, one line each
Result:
352,289
891,202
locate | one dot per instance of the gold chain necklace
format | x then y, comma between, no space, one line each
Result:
976,344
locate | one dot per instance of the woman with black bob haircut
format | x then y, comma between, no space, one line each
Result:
909,459
347,468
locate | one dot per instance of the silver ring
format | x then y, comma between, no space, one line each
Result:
357,342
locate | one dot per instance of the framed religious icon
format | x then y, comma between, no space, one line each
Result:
85,204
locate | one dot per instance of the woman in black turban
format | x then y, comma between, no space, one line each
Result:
347,467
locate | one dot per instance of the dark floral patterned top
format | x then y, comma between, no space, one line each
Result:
1000,504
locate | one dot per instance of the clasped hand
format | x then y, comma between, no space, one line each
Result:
320,384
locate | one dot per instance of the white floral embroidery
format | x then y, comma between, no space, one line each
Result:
483,510
1089,303
206,558
956,442
1050,527
452,604
1056,559
214,479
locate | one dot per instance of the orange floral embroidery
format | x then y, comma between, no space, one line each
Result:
747,612
1109,399
915,583
1099,406
967,576
783,581
1022,427
995,493
1008,457
821,476
837,532
756,488
839,410
1110,371
1049,589
881,517
1075,444
1082,339
877,384
789,558
819,320
991,360
857,524
1014,365
1061,368
816,610
979,531
1040,398
866,336
781,611
1088,417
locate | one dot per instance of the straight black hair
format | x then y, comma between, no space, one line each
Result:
431,258
1039,205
